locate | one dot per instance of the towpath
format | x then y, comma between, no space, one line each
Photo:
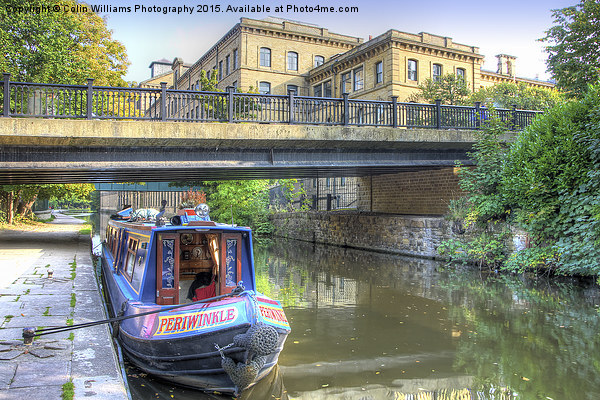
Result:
29,298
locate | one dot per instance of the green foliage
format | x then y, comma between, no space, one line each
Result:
449,88
482,182
68,391
59,47
245,203
548,183
524,97
551,179
572,47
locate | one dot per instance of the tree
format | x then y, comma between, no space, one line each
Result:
574,47
19,199
63,47
449,88
59,47
521,95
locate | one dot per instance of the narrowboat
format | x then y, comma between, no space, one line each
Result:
201,322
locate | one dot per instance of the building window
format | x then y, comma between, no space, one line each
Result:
318,90
292,88
292,61
235,59
265,57
264,88
379,72
346,79
412,70
220,70
359,80
461,73
327,89
319,60
227,70
437,72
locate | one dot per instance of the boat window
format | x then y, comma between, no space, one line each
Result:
231,260
131,253
140,266
231,271
168,263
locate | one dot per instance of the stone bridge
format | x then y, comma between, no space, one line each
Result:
36,150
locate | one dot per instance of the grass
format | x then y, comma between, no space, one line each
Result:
86,230
73,300
68,391
73,267
47,312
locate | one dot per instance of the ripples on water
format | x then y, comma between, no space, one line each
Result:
370,326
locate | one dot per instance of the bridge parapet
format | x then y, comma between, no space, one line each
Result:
25,99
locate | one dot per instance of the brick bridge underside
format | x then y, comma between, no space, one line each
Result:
68,151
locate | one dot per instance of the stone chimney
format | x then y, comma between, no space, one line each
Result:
506,65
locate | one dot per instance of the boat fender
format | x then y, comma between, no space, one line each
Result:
242,374
260,339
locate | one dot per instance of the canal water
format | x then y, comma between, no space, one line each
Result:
369,326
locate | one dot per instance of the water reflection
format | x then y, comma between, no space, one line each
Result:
374,326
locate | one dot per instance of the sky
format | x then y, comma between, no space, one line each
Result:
510,27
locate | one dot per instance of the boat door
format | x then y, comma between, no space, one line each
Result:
167,269
231,261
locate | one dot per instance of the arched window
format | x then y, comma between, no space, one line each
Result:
319,60
264,88
461,73
437,72
265,57
412,70
292,61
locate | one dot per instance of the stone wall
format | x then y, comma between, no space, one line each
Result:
401,234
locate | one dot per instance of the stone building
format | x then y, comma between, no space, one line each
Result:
271,55
274,56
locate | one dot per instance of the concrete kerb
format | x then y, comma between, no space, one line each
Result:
86,356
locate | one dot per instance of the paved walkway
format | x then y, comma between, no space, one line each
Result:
28,297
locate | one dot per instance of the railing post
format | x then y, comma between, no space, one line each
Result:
163,103
346,109
230,90
477,115
329,201
90,97
395,111
292,106
6,95
438,114
514,116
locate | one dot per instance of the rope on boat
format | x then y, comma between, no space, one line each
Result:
30,333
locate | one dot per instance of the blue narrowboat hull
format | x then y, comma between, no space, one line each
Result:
223,345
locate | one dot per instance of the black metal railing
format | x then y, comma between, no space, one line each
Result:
24,99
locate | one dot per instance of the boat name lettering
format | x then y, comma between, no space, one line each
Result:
274,314
168,325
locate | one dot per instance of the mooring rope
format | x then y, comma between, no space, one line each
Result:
30,333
